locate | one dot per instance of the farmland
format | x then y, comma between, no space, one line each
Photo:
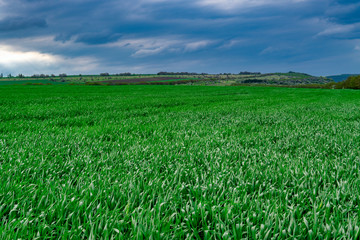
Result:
176,162
223,79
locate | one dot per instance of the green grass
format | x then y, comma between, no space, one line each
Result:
178,162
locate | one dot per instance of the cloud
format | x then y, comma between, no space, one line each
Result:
30,62
193,46
344,12
232,5
144,47
148,52
227,44
10,57
19,23
338,9
336,29
269,50
219,35
94,38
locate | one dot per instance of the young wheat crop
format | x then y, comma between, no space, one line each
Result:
178,162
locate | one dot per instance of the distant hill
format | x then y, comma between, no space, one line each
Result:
342,77
223,79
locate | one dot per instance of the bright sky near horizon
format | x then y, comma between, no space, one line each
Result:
320,37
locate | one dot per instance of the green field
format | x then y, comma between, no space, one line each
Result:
179,162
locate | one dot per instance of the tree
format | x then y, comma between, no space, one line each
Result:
353,82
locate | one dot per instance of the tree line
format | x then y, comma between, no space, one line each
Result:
353,82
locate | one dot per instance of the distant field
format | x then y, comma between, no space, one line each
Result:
177,162
24,82
286,79
94,79
139,80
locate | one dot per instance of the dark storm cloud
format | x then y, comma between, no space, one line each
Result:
224,35
97,38
20,23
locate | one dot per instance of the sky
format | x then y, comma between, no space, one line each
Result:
319,37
